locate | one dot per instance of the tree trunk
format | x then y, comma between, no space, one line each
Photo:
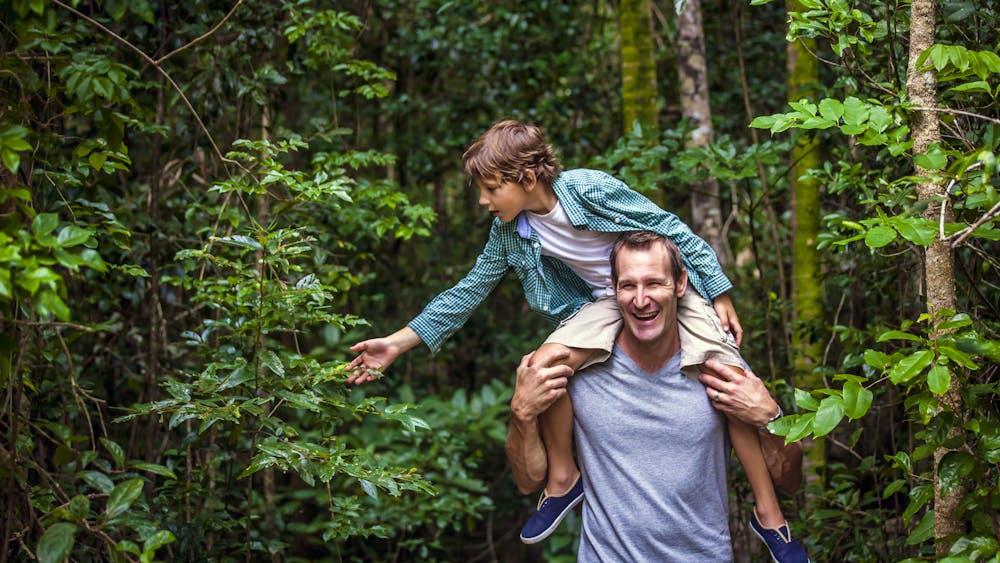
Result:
939,275
706,211
807,296
639,100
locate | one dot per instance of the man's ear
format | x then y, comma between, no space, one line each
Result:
682,284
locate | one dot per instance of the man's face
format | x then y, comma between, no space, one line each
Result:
647,294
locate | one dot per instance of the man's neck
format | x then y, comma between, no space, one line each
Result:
650,356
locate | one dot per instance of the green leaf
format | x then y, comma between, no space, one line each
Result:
801,427
924,530
805,400
6,289
952,468
831,109
116,451
879,236
893,488
857,400
154,468
93,260
11,159
369,488
272,362
916,229
939,379
44,223
98,481
122,497
932,160
957,356
97,160
911,366
157,540
979,86
828,416
71,235
855,111
56,543
898,335
876,359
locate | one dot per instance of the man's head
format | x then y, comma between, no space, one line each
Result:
649,277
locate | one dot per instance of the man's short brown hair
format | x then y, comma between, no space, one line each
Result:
644,240
507,151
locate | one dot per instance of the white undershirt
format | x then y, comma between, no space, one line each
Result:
585,252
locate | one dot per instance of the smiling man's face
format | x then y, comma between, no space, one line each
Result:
647,295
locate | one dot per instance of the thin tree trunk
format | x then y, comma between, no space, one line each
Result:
807,298
939,275
706,211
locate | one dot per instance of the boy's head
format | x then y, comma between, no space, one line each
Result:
508,151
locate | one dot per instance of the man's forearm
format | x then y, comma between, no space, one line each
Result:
784,462
526,453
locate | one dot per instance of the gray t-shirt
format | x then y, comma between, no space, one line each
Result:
653,454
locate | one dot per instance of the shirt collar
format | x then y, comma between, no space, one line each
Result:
523,228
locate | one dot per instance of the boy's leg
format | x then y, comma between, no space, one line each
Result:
557,423
746,442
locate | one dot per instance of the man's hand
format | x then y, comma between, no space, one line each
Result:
538,386
727,314
741,395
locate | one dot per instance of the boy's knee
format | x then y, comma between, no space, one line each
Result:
551,354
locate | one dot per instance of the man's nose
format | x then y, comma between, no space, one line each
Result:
641,298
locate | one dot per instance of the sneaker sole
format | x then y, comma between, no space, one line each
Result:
555,523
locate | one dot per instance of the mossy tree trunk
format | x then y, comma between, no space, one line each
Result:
807,298
639,100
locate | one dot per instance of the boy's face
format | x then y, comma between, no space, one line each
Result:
503,199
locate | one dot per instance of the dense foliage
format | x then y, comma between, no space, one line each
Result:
203,204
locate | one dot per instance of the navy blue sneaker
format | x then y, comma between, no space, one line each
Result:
783,547
551,511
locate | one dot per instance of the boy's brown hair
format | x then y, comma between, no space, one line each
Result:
507,150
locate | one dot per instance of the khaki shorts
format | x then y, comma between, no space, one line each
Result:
595,327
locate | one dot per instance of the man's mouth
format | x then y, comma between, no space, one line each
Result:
646,316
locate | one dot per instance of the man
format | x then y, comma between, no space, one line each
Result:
651,446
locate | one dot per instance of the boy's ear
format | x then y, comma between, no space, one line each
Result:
530,181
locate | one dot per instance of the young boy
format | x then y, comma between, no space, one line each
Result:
555,229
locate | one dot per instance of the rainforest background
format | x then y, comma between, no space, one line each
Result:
203,204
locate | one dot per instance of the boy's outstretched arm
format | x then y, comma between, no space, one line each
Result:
727,314
379,353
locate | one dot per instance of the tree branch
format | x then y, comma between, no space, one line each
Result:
164,73
201,37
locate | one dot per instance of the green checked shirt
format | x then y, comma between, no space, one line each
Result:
594,201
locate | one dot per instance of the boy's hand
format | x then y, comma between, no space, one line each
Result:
375,355
727,314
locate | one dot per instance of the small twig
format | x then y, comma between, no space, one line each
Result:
964,233
201,37
957,112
